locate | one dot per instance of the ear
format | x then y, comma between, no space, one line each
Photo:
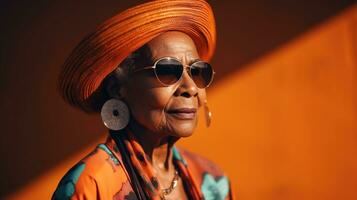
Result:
113,87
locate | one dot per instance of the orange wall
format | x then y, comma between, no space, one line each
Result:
284,127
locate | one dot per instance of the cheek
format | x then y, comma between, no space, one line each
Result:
201,97
147,104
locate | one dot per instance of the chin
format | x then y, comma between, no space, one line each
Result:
183,130
179,126
183,135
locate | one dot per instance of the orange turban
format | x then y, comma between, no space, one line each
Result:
103,50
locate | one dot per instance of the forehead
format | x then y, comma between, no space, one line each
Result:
173,44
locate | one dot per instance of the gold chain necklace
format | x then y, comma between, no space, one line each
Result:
167,191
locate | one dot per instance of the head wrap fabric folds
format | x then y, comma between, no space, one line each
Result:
102,51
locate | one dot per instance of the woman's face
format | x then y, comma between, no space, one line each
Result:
165,110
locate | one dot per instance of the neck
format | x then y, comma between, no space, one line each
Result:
157,147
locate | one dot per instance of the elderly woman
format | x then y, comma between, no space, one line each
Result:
146,71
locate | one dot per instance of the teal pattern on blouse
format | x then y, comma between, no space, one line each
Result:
111,155
176,155
67,185
214,189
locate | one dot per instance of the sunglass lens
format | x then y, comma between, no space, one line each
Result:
168,71
202,74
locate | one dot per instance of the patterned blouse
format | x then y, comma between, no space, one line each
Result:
102,175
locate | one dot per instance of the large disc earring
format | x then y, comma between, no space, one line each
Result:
208,114
115,114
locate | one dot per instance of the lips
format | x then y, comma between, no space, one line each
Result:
183,113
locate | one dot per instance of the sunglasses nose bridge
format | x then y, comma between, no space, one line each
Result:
187,71
187,68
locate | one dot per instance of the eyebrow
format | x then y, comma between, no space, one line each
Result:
194,60
190,63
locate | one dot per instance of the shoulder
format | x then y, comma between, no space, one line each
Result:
98,174
201,163
213,182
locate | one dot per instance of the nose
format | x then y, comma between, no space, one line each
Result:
187,87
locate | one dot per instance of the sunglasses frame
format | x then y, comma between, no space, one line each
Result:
184,68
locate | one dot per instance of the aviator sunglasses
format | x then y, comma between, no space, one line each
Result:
169,70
